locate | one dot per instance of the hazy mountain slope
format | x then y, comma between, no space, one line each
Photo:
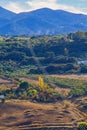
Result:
29,25
5,16
41,21
4,13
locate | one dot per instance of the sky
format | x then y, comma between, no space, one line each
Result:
75,6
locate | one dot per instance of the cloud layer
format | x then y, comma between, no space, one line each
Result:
78,6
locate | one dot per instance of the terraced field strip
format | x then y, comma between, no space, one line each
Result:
77,114
47,127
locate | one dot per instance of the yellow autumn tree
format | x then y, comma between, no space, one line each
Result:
42,85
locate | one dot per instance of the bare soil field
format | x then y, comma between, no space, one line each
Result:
22,115
72,76
8,82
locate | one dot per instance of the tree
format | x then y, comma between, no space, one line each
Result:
41,82
22,89
24,85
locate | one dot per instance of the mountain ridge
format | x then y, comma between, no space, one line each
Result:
42,21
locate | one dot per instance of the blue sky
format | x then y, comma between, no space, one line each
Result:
76,6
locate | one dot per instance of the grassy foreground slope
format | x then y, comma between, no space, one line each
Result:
63,114
23,115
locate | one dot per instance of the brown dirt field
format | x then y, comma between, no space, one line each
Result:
22,115
64,91
8,82
32,81
72,76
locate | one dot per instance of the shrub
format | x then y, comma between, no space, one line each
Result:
85,106
24,85
82,126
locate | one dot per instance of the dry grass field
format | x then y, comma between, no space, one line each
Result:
72,76
8,82
22,115
26,115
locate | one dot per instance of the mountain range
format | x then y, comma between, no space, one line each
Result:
42,21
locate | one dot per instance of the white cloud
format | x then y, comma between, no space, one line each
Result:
14,6
70,9
36,4
53,4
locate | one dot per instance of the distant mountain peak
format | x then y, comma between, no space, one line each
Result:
42,10
4,13
45,8
43,21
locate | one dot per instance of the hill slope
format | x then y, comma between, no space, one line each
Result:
5,16
21,115
42,21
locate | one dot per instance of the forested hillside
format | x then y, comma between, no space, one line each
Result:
60,54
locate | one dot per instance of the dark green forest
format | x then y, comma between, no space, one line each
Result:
60,54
